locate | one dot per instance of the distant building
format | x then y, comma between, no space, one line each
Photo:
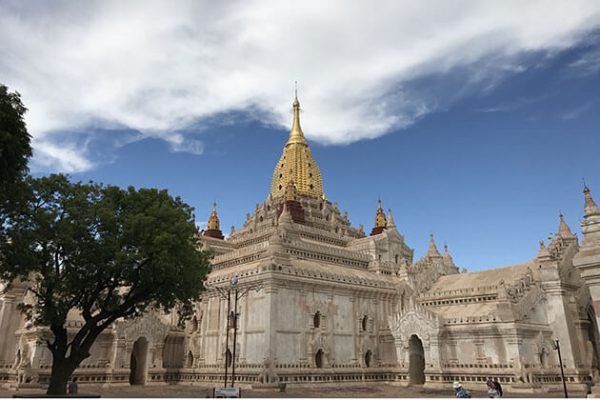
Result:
325,303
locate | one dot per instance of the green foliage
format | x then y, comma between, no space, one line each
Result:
103,251
15,147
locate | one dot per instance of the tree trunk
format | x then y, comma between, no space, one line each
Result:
62,370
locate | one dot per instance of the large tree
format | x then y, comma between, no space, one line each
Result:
106,252
15,147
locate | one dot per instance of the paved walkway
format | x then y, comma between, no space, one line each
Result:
382,391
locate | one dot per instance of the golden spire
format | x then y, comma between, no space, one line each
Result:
296,134
213,220
297,164
380,221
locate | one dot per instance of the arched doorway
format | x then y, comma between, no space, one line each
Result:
319,359
138,364
416,361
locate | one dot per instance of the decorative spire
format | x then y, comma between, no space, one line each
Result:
213,220
390,219
432,251
297,164
296,134
563,228
447,258
213,229
380,221
590,207
590,225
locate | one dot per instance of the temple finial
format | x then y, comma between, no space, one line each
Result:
213,228
390,219
296,134
380,220
590,207
432,251
563,228
447,257
213,220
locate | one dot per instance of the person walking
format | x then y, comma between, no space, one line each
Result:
460,392
73,386
498,387
589,382
491,389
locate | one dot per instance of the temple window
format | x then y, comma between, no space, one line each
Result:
363,323
317,319
368,359
319,359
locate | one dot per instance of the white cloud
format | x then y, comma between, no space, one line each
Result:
53,157
157,66
588,64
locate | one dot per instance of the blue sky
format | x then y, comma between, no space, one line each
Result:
473,124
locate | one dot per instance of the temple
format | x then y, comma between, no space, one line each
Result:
319,301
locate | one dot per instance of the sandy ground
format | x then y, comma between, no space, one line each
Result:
382,391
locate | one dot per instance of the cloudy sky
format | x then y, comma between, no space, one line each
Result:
473,120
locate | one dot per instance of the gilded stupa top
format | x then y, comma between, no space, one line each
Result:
380,221
213,220
297,164
213,228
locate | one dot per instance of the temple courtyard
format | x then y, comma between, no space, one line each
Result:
340,391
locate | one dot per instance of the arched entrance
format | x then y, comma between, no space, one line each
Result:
138,364
416,361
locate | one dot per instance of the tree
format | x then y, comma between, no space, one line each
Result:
15,147
106,252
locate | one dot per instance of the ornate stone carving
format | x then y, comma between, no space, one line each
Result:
149,326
